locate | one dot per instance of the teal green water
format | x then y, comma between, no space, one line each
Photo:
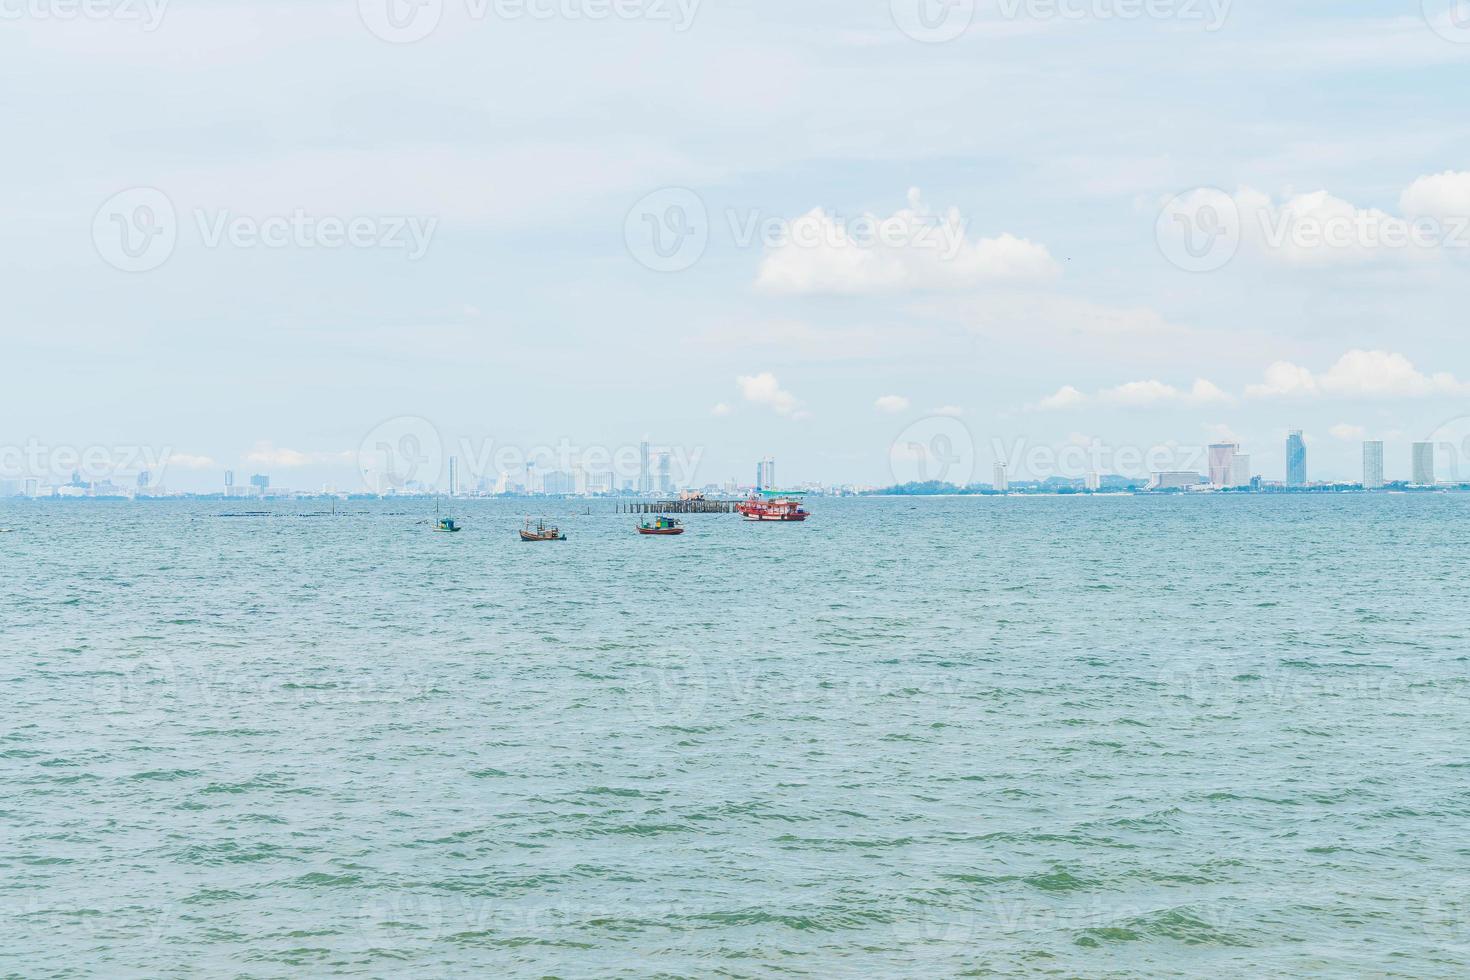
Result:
1071,737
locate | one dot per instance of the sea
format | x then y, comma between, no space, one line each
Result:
1111,736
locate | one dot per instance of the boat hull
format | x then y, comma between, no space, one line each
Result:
528,536
661,531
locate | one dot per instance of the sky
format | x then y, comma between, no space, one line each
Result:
876,240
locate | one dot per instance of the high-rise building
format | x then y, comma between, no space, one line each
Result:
1372,465
454,476
765,474
1240,470
1424,464
1001,482
144,478
260,483
1093,482
1296,459
1222,458
645,474
558,483
665,480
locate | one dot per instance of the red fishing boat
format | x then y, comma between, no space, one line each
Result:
773,505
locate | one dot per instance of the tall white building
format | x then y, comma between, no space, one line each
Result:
765,474
1372,465
1001,481
1222,458
1094,482
454,476
1240,470
1424,464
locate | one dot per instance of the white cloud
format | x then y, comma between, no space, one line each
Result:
1318,229
952,411
1066,397
1153,392
264,454
892,404
1284,378
912,249
1348,433
1445,195
721,410
764,389
1357,374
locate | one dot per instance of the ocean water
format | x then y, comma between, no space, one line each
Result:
1071,737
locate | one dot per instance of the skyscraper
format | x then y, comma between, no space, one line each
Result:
1372,465
765,474
665,480
454,476
1240,470
645,475
1222,455
1296,459
1424,464
1001,481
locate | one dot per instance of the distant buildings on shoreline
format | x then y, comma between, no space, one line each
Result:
1228,471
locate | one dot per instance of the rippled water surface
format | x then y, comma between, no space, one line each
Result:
1105,737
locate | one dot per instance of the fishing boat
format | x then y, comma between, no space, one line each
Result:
443,525
773,505
541,532
661,525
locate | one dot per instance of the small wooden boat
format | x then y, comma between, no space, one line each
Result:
541,532
661,525
447,525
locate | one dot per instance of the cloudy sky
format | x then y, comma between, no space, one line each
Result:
252,233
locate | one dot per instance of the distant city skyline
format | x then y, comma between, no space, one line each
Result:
665,467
